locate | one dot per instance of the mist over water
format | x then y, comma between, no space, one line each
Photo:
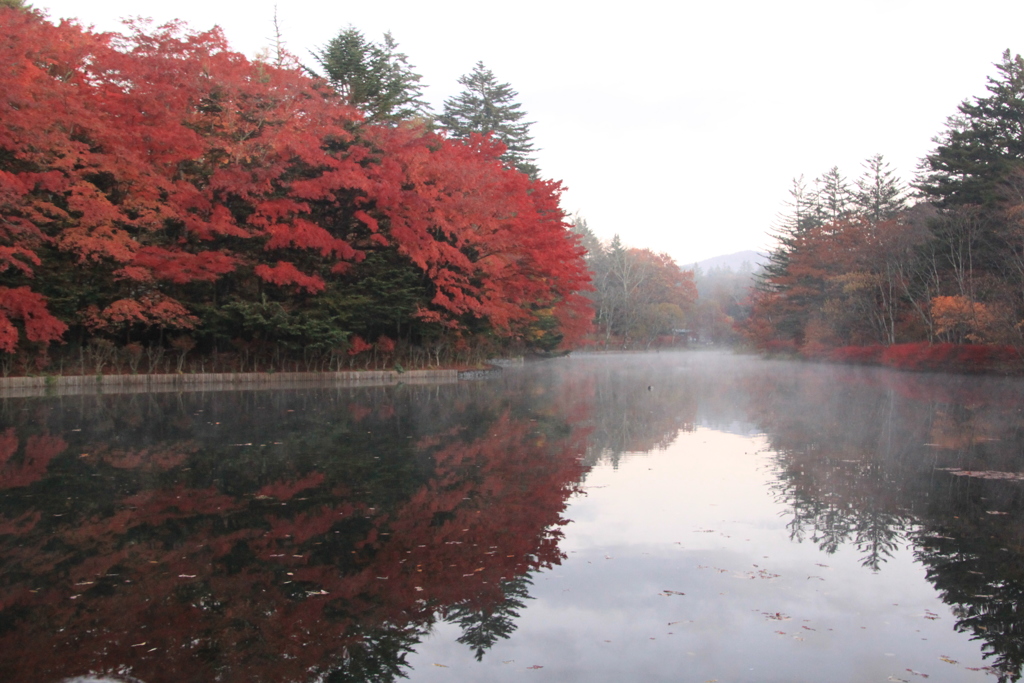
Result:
675,516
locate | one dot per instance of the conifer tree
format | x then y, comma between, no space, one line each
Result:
834,198
803,211
375,78
588,240
880,195
802,215
487,106
982,146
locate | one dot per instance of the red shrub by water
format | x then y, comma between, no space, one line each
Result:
924,357
861,355
948,357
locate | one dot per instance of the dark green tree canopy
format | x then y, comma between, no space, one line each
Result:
982,147
487,106
374,77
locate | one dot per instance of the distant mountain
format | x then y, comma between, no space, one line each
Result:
734,262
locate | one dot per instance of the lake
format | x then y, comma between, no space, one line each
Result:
688,516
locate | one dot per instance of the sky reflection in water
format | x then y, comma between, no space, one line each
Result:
672,517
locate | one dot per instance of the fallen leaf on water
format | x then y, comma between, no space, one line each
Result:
668,592
918,673
443,666
948,660
535,666
777,616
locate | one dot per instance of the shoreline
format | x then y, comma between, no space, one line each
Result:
64,385
942,357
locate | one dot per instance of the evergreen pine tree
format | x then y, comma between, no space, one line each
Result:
879,195
486,106
588,240
983,146
803,214
375,78
834,198
803,210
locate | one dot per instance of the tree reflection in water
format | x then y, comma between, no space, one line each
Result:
483,625
273,536
868,458
322,534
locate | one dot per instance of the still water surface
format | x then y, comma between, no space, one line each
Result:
672,517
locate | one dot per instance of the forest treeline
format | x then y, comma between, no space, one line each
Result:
639,297
167,204
930,275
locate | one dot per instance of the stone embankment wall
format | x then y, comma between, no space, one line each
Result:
79,384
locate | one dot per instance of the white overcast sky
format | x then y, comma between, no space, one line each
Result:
678,126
